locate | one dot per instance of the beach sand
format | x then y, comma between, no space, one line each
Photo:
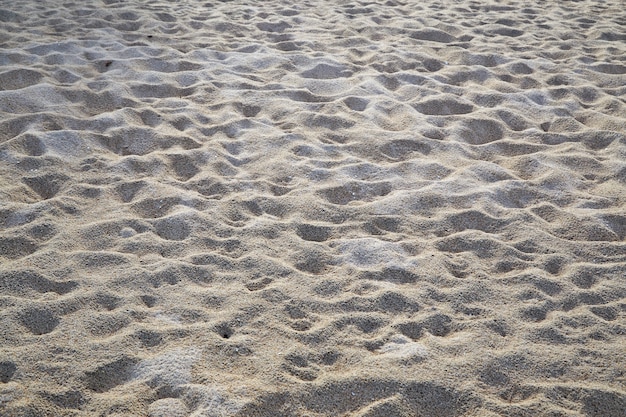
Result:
297,208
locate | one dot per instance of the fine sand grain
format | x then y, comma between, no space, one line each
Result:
312,208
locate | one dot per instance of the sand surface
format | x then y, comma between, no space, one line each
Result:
312,208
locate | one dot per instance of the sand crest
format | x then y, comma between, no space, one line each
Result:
286,208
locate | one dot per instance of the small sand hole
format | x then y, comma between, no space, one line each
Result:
224,331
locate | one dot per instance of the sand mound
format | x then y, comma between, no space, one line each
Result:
321,209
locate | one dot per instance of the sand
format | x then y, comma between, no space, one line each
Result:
295,208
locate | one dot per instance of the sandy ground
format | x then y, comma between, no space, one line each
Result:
298,208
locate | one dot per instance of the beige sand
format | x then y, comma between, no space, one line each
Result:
299,208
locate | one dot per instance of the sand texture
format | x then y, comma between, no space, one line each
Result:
312,208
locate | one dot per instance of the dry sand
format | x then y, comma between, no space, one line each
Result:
298,208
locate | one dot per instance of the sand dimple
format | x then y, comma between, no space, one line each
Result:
325,209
